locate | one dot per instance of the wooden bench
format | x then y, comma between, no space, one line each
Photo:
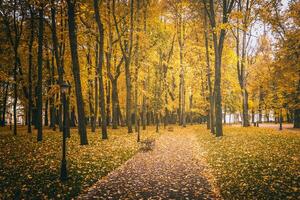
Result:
147,145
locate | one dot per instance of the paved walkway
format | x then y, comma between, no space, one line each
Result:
285,126
276,126
172,170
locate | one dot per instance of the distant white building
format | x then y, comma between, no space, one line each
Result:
10,110
237,117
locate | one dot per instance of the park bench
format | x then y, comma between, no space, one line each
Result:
147,145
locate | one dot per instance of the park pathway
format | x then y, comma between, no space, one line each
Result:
173,170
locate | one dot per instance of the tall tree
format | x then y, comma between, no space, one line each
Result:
14,27
181,38
4,102
30,57
113,76
100,66
90,89
58,58
76,72
40,75
137,66
211,120
218,41
241,63
126,49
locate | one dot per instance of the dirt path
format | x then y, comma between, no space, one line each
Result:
171,171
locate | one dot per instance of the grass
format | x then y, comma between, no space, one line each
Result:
30,170
254,163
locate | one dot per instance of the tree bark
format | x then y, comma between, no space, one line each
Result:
6,85
224,119
76,72
297,118
30,56
115,105
136,74
128,95
52,106
100,66
40,75
144,112
217,86
58,60
46,122
241,64
108,102
96,83
90,91
15,91
126,51
218,41
209,84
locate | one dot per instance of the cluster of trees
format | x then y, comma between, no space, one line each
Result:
150,62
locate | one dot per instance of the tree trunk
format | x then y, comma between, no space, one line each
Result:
40,75
90,92
46,122
297,118
252,115
288,118
67,118
218,41
4,104
60,115
59,62
211,95
138,135
217,87
241,65
15,92
260,105
122,122
73,118
49,81
126,51
191,107
128,96
30,56
100,66
183,105
245,109
144,112
108,103
224,119
280,120
52,106
156,122
96,82
136,67
115,104
76,72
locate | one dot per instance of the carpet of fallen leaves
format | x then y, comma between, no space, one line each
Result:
30,170
254,163
172,170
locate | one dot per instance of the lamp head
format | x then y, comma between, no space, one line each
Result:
64,87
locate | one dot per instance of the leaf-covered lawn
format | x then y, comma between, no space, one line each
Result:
31,170
254,163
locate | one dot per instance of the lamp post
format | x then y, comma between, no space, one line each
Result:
63,171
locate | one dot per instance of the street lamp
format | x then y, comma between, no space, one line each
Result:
64,87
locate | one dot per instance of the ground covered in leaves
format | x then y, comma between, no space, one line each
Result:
254,163
30,170
172,170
